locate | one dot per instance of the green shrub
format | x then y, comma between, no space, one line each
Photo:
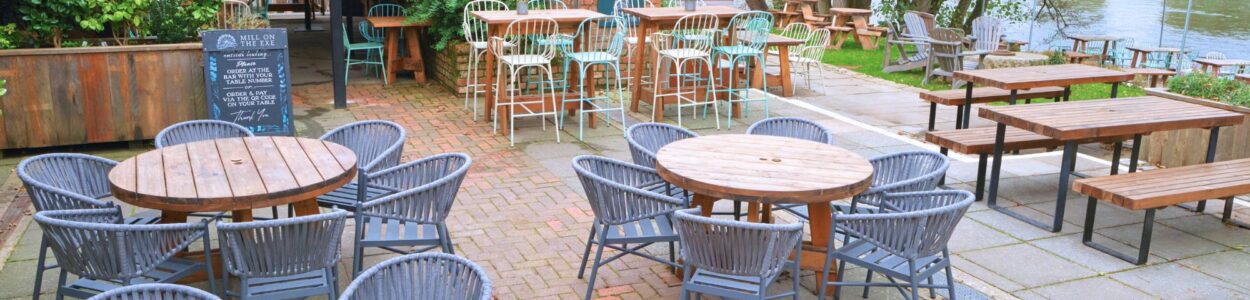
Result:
8,36
173,21
1202,85
2,89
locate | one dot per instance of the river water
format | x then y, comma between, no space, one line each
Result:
1215,25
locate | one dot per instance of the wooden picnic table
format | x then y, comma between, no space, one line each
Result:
1072,122
1080,41
650,19
1243,77
1140,52
1015,79
1207,64
392,26
496,23
768,170
783,77
858,19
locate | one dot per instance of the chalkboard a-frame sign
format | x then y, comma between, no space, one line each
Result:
247,77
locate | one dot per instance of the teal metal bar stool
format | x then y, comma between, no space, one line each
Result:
742,45
688,44
602,40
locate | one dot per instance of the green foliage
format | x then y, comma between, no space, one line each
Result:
1055,58
2,89
1201,85
8,36
445,15
49,20
172,21
123,17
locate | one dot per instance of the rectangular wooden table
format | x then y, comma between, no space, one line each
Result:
650,19
1079,43
1015,79
1207,64
1243,77
1140,52
859,19
1071,122
394,63
497,22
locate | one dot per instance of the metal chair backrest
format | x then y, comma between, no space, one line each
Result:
377,144
798,31
735,248
386,10
792,127
155,291
694,32
281,247
749,29
988,32
816,44
58,181
1214,55
423,276
474,28
199,130
947,45
603,37
630,21
231,12
919,224
645,139
425,189
909,171
680,3
93,244
612,187
547,4
527,36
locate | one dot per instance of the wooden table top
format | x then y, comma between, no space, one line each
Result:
1067,121
1153,49
1092,37
1243,77
777,40
761,168
232,174
1222,62
675,13
850,11
504,17
395,22
1041,76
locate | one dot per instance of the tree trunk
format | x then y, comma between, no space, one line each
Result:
865,4
935,6
961,11
756,5
976,13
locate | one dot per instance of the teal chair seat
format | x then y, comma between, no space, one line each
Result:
589,57
737,50
368,48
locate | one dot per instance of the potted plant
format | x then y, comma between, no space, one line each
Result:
1160,148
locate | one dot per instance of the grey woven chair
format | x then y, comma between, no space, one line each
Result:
378,145
790,127
104,253
736,259
627,218
60,181
199,130
910,171
905,241
423,276
415,215
155,291
283,259
646,138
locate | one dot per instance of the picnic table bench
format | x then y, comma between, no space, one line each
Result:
980,142
1153,75
959,98
1157,189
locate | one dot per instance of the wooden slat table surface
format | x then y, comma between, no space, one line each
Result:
767,169
1040,76
395,63
1110,117
671,14
234,174
394,22
562,16
1159,188
1140,52
1206,64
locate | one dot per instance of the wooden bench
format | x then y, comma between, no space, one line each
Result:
1157,189
1153,75
1077,57
840,35
957,98
980,142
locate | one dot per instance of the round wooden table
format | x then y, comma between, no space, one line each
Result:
768,170
233,174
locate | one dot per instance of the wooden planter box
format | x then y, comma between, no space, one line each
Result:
1187,147
71,96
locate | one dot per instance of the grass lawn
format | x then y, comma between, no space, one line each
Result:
855,58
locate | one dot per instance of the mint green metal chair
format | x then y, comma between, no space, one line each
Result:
742,45
367,47
602,41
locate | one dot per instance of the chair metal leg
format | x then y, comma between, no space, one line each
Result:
594,269
586,254
60,282
358,250
950,276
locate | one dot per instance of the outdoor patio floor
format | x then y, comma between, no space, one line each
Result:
521,214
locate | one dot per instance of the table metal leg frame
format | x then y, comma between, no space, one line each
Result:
1143,250
1202,205
1065,173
